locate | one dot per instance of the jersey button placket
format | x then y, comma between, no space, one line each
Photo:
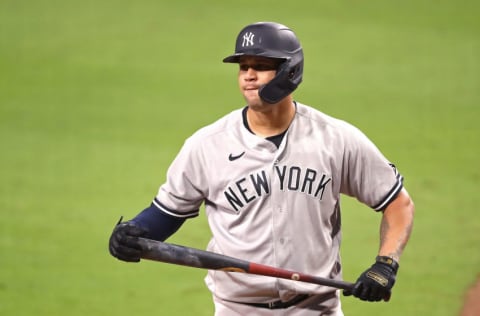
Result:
281,227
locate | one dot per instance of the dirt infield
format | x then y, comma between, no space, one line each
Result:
472,301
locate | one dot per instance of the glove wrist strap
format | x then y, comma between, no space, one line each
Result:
388,261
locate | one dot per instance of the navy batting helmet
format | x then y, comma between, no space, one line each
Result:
272,40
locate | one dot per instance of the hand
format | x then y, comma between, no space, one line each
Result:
123,243
376,283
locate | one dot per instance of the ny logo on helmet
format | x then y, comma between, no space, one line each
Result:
248,39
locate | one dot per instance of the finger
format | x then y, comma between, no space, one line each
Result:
364,293
127,242
357,289
135,231
386,296
347,292
127,258
375,295
125,253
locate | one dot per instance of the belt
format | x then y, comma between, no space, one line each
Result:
280,304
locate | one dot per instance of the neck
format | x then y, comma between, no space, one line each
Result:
272,120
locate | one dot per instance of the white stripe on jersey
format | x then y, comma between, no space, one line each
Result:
174,213
392,194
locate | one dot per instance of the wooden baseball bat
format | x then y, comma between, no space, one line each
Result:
191,257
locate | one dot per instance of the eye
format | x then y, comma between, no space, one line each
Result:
263,67
244,67
258,67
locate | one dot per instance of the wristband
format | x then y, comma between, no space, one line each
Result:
388,261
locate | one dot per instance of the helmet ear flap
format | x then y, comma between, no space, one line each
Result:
284,83
294,71
291,74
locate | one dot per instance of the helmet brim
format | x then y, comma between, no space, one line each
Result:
235,58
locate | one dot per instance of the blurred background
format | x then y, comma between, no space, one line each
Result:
96,98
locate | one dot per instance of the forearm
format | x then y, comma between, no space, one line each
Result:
159,226
396,226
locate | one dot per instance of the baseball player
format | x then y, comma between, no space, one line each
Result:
271,175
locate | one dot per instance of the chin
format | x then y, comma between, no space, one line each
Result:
259,106
253,101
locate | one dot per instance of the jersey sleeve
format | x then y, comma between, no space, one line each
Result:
367,175
185,188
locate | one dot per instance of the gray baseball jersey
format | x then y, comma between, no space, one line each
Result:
276,206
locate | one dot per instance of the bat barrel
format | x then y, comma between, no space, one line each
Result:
175,254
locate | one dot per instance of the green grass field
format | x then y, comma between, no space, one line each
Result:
96,98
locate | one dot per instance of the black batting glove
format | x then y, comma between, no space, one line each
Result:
376,283
123,243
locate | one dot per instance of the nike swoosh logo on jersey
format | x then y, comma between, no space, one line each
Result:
231,157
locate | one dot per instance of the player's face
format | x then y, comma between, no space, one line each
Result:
255,72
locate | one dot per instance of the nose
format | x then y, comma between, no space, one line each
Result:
250,74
